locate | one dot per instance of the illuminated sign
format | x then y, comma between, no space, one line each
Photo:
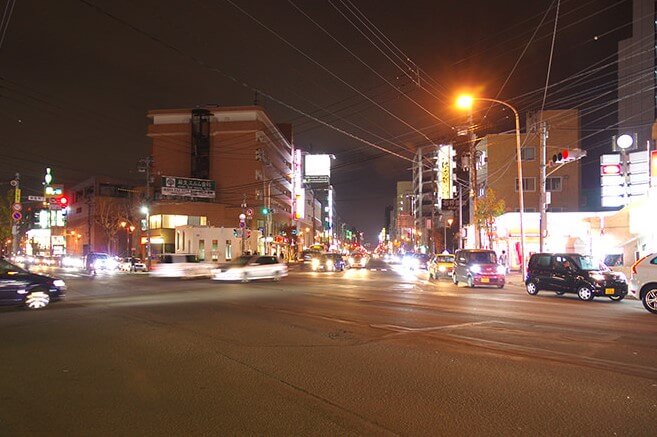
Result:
445,168
299,191
188,187
610,169
653,167
317,169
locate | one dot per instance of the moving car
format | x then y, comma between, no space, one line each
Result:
307,257
20,287
643,281
358,259
180,265
478,267
132,264
247,268
441,266
574,273
328,262
95,262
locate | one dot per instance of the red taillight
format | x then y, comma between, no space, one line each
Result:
637,263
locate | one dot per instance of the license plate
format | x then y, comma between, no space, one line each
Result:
610,290
485,280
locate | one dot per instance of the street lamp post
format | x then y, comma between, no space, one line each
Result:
465,102
145,210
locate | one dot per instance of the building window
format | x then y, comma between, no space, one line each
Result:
553,183
528,153
183,241
215,249
229,250
528,184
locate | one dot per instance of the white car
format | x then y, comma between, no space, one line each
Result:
132,265
643,282
180,265
247,268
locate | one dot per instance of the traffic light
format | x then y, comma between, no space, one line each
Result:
265,210
568,155
63,201
235,233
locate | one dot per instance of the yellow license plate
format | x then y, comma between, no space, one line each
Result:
610,291
485,280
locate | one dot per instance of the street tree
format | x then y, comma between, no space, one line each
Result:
109,212
488,208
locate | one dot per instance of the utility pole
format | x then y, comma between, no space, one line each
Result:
473,179
243,223
145,167
14,226
460,216
543,132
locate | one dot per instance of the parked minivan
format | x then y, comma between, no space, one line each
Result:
478,267
574,273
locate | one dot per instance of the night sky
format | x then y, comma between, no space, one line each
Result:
78,76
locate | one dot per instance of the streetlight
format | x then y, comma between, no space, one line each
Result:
466,102
144,210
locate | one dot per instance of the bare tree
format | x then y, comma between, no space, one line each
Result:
109,212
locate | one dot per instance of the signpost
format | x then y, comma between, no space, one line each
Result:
36,198
16,215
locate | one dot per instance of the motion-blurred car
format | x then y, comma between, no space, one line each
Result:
247,268
574,273
20,287
643,282
97,262
306,258
328,262
415,261
132,264
478,267
180,265
358,260
441,266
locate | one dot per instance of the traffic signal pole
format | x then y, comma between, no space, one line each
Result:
14,225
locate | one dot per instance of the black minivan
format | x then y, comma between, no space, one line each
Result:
574,273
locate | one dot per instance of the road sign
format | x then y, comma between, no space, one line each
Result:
36,198
16,215
242,224
13,183
17,206
17,195
249,212
449,204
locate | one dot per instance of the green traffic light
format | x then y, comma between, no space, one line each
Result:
265,211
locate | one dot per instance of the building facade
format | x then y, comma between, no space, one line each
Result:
245,157
497,164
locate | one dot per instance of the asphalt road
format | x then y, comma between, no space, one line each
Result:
361,352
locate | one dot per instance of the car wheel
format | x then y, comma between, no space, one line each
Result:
470,282
37,299
277,276
585,293
431,276
245,277
649,300
560,293
617,298
500,286
532,288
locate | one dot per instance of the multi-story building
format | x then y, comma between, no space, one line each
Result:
241,160
102,216
497,164
637,69
403,212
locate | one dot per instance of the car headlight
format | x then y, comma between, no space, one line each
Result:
315,263
329,263
442,268
597,277
475,268
98,264
59,283
111,264
501,270
351,260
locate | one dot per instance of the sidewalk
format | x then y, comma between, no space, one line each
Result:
515,278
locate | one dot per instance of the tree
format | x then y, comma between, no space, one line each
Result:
109,212
6,221
488,208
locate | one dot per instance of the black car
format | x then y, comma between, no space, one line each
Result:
20,287
328,262
574,273
306,257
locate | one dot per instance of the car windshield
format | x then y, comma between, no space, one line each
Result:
445,259
6,267
483,257
242,260
589,263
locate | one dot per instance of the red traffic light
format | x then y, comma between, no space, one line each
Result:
63,201
564,154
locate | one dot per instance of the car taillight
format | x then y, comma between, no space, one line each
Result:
636,264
